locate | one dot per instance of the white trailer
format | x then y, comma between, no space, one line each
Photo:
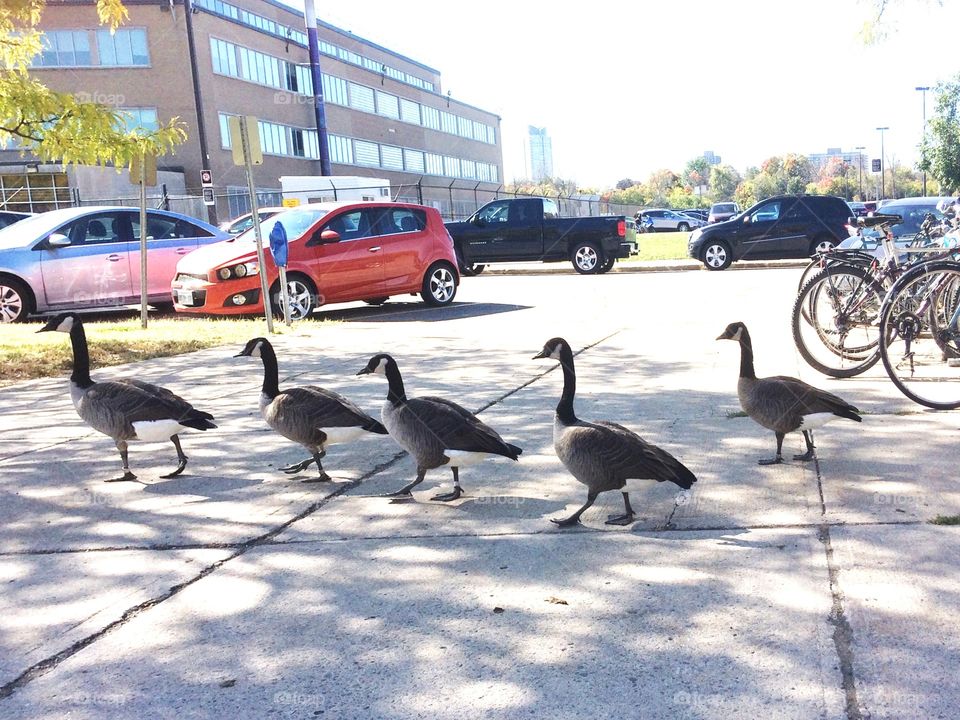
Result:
306,189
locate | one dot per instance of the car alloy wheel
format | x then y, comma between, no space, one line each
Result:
823,246
13,304
586,259
683,227
716,256
440,285
299,295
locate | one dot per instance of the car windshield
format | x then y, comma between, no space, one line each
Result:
724,207
295,223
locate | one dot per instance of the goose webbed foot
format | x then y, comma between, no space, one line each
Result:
404,494
447,497
180,468
624,519
805,457
771,461
567,522
298,467
127,476
808,455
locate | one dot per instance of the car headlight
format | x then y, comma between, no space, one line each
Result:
238,271
695,234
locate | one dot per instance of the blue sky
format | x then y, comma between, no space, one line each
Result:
624,90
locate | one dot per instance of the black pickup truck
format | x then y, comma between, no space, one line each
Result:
529,229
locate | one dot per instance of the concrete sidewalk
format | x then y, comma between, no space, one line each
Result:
234,591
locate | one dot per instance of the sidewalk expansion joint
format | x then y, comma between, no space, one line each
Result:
842,630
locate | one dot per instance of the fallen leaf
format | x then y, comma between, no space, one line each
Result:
556,601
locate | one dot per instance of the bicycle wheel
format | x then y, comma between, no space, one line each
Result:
920,324
836,320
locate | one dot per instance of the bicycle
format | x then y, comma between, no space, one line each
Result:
836,315
920,325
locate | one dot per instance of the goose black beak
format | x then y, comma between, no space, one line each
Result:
365,371
540,355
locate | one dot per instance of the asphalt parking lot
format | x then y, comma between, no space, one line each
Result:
805,590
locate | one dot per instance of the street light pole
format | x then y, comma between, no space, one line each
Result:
923,90
860,149
883,165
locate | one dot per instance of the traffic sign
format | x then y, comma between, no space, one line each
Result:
208,198
291,202
206,178
875,164
148,173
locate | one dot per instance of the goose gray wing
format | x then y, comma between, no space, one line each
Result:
792,398
114,407
317,407
168,396
625,455
456,428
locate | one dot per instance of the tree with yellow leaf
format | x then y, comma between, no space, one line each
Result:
56,126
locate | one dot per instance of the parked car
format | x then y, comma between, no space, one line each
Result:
90,257
530,229
669,220
786,226
859,209
722,211
698,213
912,210
245,222
8,217
337,252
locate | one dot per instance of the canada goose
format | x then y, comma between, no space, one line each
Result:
783,404
603,455
126,409
310,416
434,431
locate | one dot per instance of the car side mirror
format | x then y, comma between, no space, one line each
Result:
58,240
477,221
746,220
329,236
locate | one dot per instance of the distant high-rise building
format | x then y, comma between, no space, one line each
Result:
852,157
711,158
541,154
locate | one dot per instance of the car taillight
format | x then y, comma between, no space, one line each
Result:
852,230
622,228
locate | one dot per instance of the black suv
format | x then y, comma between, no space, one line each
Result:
785,226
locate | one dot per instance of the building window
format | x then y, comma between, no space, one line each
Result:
451,166
366,153
361,98
434,163
413,161
124,48
431,117
341,149
334,90
224,57
140,119
491,135
391,157
464,127
448,122
388,105
409,111
64,48
468,169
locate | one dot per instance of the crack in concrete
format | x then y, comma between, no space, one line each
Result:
842,630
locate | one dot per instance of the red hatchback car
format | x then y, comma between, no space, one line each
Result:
337,252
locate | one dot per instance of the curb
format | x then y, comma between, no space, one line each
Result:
564,268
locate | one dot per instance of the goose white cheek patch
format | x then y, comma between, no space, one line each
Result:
381,368
737,334
555,355
65,326
256,350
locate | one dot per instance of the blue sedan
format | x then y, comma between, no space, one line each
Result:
90,257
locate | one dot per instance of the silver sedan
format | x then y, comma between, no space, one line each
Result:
90,257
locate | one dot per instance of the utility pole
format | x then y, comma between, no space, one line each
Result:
923,90
883,166
860,149
198,98
319,109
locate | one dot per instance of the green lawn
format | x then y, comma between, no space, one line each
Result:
25,355
662,246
